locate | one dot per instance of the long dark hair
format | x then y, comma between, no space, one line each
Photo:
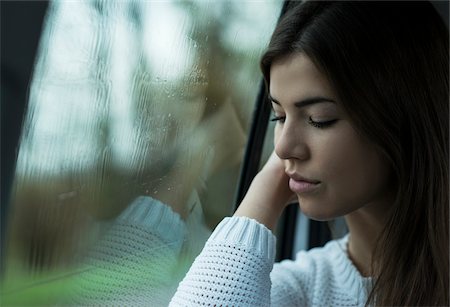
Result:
388,63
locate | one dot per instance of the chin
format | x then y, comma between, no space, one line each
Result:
319,213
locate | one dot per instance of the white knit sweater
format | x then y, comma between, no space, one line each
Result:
236,268
145,254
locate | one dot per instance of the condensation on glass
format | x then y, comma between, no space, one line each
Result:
130,99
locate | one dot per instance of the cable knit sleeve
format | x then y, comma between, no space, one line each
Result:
135,263
233,269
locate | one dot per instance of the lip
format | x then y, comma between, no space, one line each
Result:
300,184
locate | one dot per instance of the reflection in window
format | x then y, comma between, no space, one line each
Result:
133,104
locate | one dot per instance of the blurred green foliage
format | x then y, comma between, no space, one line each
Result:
53,214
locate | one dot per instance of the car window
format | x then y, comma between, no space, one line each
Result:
131,102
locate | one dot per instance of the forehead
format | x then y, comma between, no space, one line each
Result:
296,77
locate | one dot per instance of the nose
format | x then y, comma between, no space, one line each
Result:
290,143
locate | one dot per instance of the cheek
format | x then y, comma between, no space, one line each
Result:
357,173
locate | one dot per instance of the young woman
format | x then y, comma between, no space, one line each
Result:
360,96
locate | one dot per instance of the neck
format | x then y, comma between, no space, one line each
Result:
365,226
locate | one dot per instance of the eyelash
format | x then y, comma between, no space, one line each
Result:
320,125
278,119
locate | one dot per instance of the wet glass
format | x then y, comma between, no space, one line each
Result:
131,101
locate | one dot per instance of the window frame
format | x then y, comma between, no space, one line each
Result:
18,56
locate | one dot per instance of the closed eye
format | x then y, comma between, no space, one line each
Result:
321,124
280,119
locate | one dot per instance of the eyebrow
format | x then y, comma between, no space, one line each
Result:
306,102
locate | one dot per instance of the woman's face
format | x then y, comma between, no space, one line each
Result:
333,169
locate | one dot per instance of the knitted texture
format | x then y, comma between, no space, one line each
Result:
142,258
136,262
236,269
319,277
230,272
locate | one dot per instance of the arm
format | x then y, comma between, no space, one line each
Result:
232,269
235,264
135,262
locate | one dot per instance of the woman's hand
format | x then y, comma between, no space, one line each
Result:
268,194
202,152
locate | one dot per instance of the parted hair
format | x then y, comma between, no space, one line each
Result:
388,62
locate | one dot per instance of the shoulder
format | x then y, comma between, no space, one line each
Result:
316,261
322,275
